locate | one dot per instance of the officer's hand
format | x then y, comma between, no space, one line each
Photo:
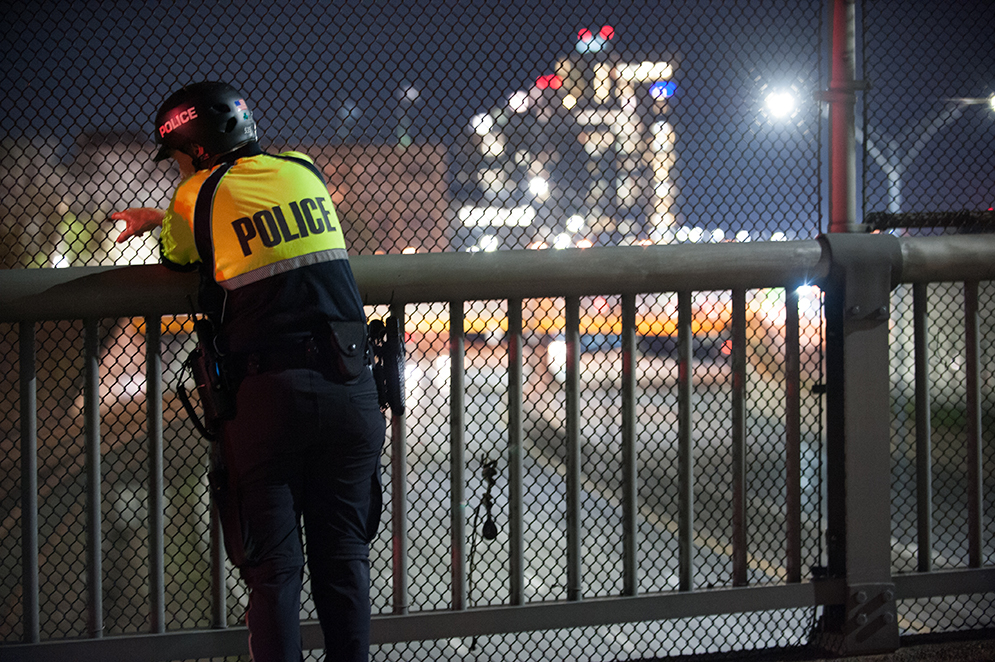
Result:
139,220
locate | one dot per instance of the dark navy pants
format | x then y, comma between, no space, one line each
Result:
304,448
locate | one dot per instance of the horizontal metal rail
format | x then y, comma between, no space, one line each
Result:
497,620
109,292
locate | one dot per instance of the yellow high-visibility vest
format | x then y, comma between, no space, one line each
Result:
268,215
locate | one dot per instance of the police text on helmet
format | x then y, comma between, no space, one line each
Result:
178,120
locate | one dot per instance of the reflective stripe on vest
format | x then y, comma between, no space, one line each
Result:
266,215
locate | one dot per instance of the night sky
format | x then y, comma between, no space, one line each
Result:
334,72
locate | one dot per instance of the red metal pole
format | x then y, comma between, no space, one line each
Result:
841,98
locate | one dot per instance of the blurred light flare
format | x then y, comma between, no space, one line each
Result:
482,123
780,104
663,89
563,241
519,102
549,81
538,186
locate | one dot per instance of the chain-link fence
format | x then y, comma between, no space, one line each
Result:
461,126
928,114
441,126
928,123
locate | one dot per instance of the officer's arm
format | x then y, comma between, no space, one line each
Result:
138,221
176,266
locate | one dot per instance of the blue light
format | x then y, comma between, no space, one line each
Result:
663,89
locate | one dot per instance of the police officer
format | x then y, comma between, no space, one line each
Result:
306,435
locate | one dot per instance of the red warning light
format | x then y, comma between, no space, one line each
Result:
588,42
549,81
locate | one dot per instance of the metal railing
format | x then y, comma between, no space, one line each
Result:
859,591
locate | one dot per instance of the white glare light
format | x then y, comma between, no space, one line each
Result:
408,93
780,104
556,359
538,186
489,243
809,300
519,102
482,123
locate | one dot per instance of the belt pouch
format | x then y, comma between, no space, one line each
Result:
348,341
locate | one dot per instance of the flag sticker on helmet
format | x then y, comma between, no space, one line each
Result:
240,104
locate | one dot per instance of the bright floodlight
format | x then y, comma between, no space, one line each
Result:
538,186
991,102
780,104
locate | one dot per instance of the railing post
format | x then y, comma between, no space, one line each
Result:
630,474
457,458
399,491
858,290
156,486
740,569
575,581
91,416
685,444
516,545
29,484
792,440
924,427
219,579
975,477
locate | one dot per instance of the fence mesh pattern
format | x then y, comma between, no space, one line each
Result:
461,126
928,125
927,115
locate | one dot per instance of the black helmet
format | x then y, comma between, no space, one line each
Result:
204,121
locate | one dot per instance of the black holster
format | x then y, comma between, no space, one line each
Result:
388,363
225,499
213,382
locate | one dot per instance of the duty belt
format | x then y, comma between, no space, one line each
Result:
312,353
300,354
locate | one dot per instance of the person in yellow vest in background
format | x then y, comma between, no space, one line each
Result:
303,440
